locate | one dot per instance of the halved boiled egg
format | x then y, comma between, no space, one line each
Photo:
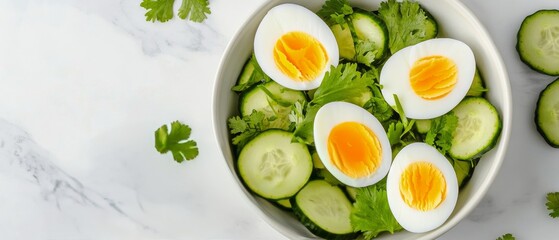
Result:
422,188
351,144
429,78
295,47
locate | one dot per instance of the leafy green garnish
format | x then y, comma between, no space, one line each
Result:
406,23
341,83
162,10
176,141
553,204
462,169
365,52
371,213
194,10
378,106
257,75
399,130
507,236
441,132
158,10
247,127
335,11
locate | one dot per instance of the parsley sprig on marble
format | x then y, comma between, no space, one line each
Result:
162,10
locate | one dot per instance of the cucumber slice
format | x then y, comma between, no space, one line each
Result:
248,69
324,209
370,34
431,26
284,204
344,40
477,89
273,100
547,114
273,167
479,127
538,41
423,125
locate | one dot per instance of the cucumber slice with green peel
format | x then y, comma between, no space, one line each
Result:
273,100
477,89
538,41
324,210
547,114
345,40
370,33
431,26
284,203
246,74
423,125
479,127
273,167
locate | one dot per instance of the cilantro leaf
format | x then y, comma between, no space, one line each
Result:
553,204
371,213
335,11
441,132
365,52
341,83
176,141
247,127
406,23
195,10
507,236
158,10
395,132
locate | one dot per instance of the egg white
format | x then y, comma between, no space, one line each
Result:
409,218
394,77
334,113
287,18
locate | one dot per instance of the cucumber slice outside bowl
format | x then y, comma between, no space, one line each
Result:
466,28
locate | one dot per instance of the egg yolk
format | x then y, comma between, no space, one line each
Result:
354,149
300,56
433,77
422,186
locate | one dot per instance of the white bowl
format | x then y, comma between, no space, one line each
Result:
455,21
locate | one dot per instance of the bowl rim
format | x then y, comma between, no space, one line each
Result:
501,147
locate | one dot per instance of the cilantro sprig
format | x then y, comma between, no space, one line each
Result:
162,10
553,204
441,132
177,141
335,11
507,236
406,23
371,213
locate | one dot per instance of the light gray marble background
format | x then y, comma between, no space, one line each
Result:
85,83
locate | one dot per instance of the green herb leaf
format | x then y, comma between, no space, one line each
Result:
176,141
507,236
335,11
158,10
406,23
365,52
194,10
371,213
553,204
247,127
441,132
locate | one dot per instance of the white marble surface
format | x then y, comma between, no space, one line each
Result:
85,83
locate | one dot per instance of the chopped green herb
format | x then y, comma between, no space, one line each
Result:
371,213
507,236
406,23
176,141
335,11
553,204
162,10
247,127
441,132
